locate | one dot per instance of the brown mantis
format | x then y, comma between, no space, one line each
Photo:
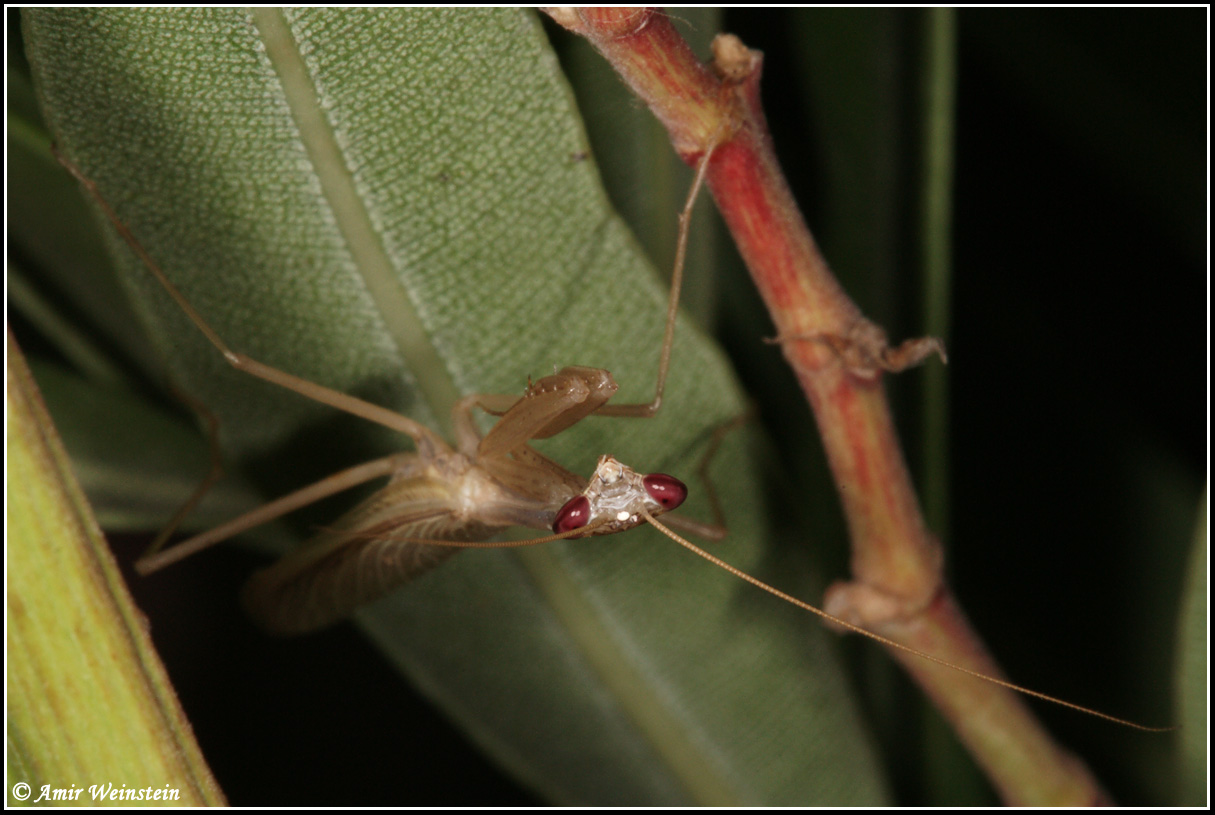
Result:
442,498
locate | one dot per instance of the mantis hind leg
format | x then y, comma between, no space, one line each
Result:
338,482
214,474
429,444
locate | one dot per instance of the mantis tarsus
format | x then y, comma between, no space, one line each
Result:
442,497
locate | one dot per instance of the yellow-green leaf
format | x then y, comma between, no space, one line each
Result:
92,717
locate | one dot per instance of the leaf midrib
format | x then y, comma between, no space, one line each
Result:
401,319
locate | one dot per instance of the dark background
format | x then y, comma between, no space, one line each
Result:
1077,376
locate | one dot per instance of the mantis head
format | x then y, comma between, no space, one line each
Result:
615,497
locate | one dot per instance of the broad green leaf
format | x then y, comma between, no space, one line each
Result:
87,302
398,204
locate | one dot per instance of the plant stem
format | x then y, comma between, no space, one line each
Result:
838,357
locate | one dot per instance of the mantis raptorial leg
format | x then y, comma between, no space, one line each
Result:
441,498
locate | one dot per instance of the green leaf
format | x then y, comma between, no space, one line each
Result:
398,204
90,710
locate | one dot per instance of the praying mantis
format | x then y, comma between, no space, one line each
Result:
571,608
445,497
441,496
515,386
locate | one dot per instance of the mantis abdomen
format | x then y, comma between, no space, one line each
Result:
372,550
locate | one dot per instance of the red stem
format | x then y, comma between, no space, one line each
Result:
896,563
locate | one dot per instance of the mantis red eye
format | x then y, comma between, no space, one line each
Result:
574,515
667,490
